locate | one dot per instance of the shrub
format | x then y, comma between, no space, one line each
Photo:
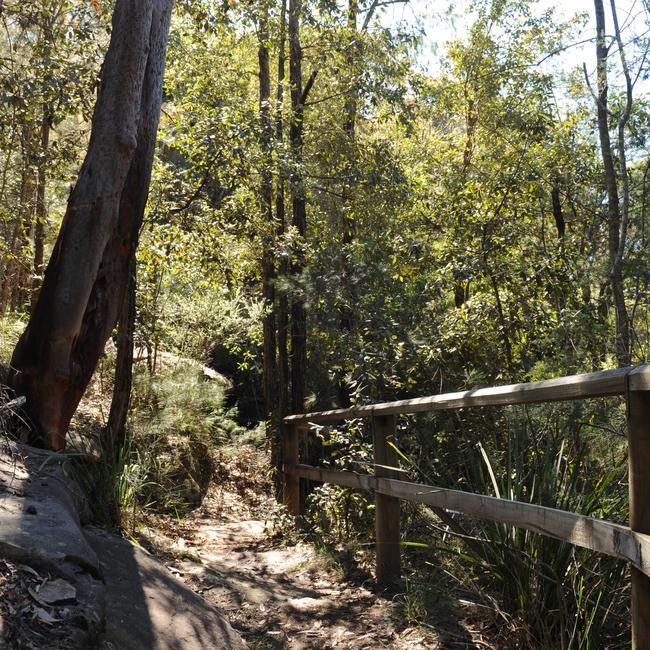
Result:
177,423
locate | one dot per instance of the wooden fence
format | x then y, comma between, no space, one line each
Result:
630,543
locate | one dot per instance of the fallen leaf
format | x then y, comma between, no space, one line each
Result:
28,569
44,617
34,595
54,591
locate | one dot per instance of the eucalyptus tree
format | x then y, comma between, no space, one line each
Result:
86,277
617,176
269,225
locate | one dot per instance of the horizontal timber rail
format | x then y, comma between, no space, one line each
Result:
594,384
587,532
627,543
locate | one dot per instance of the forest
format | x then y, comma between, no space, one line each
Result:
215,214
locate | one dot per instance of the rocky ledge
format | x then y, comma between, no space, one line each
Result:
65,584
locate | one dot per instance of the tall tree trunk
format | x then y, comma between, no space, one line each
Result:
11,264
117,416
40,218
615,247
470,91
348,222
41,206
269,366
21,262
299,213
299,221
282,300
6,228
84,284
280,215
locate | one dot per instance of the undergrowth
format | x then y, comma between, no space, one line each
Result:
532,590
10,331
178,424
178,429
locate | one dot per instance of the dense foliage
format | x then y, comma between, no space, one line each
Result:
457,235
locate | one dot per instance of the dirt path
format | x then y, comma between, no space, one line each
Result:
284,597
280,596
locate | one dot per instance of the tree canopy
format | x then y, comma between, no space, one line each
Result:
330,223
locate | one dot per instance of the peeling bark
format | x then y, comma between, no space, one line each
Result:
84,283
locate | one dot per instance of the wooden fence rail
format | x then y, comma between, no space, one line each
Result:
630,543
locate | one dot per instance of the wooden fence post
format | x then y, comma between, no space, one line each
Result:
291,481
638,414
387,532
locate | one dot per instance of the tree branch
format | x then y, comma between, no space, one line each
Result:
622,123
192,197
308,86
591,90
374,6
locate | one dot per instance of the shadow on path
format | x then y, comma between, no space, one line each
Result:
148,609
